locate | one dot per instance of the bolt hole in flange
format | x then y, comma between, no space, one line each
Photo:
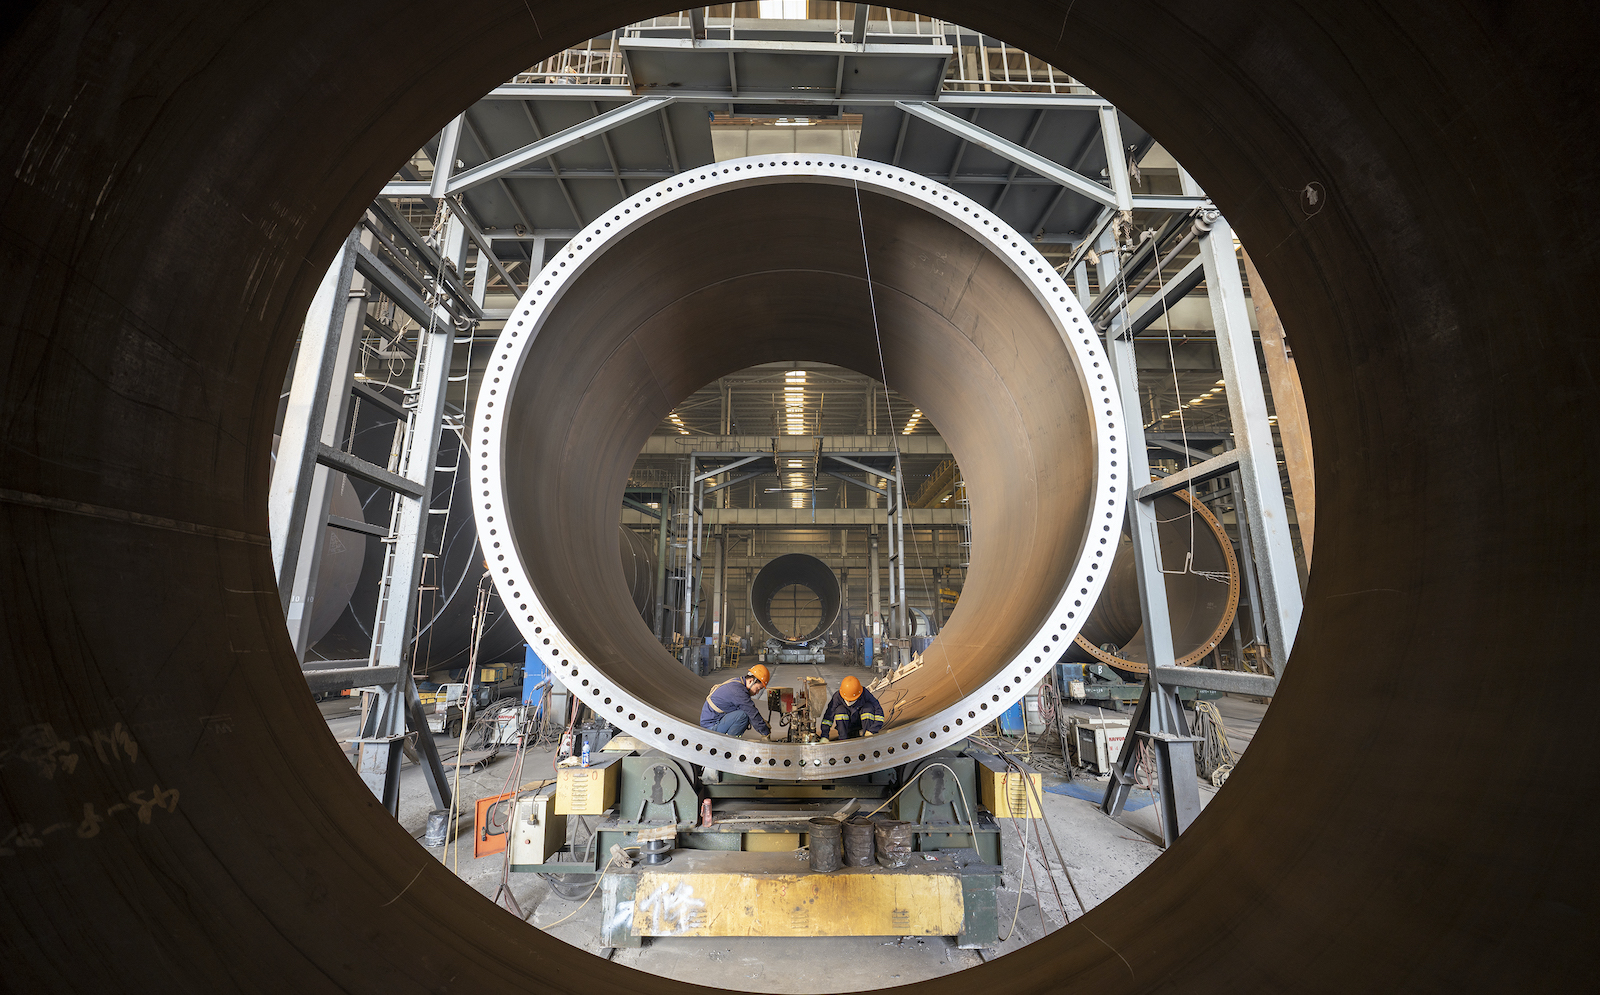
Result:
607,358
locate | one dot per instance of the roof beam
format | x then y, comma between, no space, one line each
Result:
586,92
484,245
544,148
555,171
967,131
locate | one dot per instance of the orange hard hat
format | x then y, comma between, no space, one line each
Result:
850,689
760,673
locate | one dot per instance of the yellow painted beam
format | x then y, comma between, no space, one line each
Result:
838,904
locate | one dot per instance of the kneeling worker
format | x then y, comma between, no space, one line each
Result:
852,712
729,709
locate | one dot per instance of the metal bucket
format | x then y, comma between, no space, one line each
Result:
825,844
858,842
894,843
437,831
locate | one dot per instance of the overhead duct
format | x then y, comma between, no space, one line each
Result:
145,352
795,570
759,260
1202,581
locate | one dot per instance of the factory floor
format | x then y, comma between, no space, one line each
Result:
1102,854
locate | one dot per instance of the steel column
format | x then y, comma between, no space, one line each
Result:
1158,721
661,561
1260,490
904,610
874,596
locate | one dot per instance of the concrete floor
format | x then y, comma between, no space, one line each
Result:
1101,855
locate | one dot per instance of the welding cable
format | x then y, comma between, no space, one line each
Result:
971,825
1028,854
1043,859
603,872
1038,799
514,776
1027,862
466,703
1146,762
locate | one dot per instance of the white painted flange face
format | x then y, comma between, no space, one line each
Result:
562,651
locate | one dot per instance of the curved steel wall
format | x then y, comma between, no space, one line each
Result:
176,178
684,282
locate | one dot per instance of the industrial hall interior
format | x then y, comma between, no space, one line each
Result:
789,496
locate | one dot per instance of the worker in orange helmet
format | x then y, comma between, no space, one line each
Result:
852,712
729,708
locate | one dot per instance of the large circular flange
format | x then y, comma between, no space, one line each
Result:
927,734
1198,653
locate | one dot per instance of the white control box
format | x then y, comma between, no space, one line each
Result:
536,831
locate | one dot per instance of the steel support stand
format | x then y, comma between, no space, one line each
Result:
1158,720
316,383
344,315
379,747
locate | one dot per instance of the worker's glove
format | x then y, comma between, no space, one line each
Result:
866,734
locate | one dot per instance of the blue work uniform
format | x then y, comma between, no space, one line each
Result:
852,718
730,710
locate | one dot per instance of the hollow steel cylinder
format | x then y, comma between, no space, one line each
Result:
959,313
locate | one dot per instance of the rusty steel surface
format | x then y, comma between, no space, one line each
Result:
174,179
1202,581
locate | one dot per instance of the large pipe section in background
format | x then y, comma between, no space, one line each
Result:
795,569
442,637
1201,575
762,259
638,568
177,177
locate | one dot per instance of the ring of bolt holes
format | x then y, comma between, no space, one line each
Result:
1023,251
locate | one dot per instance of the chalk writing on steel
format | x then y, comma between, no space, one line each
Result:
89,823
49,753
